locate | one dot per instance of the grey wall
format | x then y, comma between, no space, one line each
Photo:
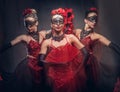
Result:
110,27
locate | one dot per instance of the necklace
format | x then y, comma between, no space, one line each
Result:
84,33
58,38
49,35
34,35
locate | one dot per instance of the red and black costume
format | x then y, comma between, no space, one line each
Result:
63,63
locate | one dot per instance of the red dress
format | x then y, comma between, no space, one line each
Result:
92,67
28,73
33,52
63,62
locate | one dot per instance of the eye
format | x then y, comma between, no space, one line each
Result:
54,21
92,18
61,21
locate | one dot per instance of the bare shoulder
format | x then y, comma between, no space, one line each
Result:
42,32
23,36
20,38
48,31
70,36
78,30
96,35
46,42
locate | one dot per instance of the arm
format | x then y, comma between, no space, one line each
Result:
77,33
74,40
19,39
101,39
13,42
80,46
42,53
115,47
42,34
108,43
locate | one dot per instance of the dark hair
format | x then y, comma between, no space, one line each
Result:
90,10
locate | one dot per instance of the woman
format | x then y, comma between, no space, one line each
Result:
61,57
90,38
27,71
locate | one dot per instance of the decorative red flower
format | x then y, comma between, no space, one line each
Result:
27,11
59,11
69,12
93,9
69,20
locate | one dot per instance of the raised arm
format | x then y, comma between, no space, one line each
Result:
109,43
13,42
19,39
102,39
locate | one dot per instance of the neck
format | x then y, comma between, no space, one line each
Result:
34,35
58,36
34,32
85,32
57,33
87,28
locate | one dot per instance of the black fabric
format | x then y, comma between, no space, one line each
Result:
41,59
115,47
86,55
23,75
46,86
5,47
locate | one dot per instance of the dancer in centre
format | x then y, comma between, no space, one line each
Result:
63,57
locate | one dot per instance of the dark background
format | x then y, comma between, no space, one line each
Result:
11,25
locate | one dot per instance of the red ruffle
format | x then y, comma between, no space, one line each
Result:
62,54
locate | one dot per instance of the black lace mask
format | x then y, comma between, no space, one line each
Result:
92,18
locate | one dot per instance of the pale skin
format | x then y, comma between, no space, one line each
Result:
94,36
58,30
